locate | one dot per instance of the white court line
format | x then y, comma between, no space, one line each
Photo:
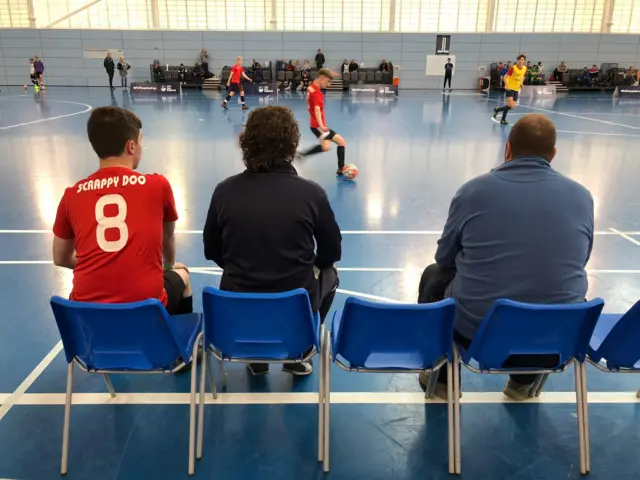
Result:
89,107
494,120
26,262
14,398
625,236
309,398
343,232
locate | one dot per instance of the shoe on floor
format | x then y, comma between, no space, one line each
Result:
258,368
495,113
224,105
298,369
244,107
516,391
339,172
441,390
504,122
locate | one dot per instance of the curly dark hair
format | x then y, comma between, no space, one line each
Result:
270,138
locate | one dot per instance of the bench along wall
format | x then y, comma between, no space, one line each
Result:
63,51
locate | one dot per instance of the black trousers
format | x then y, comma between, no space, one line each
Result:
447,77
110,73
433,284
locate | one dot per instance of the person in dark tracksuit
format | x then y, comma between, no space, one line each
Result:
270,230
110,67
448,73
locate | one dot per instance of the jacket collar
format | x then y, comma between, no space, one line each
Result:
282,168
524,162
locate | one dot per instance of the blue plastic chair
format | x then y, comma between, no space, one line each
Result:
615,345
514,328
137,337
391,338
256,327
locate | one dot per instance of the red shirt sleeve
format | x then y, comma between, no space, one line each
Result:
62,227
169,211
510,71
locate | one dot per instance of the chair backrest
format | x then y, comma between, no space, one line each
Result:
259,325
621,347
394,336
378,77
289,75
362,76
370,76
313,75
354,76
386,77
280,75
515,328
129,336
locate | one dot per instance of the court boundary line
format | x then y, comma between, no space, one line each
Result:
625,236
57,117
343,232
311,398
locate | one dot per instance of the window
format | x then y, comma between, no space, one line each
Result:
14,14
333,15
549,15
441,15
626,17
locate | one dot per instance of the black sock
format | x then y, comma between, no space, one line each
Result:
227,99
505,110
242,99
500,109
312,151
340,158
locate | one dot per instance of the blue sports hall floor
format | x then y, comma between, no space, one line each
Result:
413,154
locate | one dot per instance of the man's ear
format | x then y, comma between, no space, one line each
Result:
507,152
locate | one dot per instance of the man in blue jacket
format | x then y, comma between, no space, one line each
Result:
523,232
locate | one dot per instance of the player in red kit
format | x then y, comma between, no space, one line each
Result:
115,227
234,84
315,100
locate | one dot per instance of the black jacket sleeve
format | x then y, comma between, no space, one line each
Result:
327,234
212,234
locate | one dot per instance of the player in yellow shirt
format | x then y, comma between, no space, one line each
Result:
513,81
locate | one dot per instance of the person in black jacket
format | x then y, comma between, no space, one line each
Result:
319,59
110,67
269,229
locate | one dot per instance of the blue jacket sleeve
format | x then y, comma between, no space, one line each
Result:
450,242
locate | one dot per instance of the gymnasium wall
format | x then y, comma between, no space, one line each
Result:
62,51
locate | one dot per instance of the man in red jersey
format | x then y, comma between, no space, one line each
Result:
315,100
234,84
114,227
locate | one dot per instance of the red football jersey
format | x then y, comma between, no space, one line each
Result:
236,73
315,98
115,217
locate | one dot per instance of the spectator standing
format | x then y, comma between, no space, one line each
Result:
110,67
319,59
541,74
123,69
39,67
257,71
353,66
269,229
115,229
345,66
448,73
204,62
384,66
532,248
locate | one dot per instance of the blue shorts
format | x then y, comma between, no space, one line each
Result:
513,94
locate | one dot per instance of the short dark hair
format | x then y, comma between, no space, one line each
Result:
325,72
521,56
270,138
534,135
110,129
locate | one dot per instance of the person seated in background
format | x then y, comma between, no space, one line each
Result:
594,70
353,66
384,66
290,67
256,70
559,72
523,232
158,74
115,228
281,65
584,78
306,66
541,75
182,73
269,229
345,66
305,82
198,73
297,66
503,72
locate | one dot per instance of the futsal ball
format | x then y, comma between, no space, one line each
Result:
350,171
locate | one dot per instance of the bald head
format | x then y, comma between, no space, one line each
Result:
533,135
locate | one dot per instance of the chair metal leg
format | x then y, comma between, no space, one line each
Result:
212,381
67,420
201,395
450,390
327,398
321,397
541,383
431,385
580,411
456,405
585,414
107,380
192,409
223,375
